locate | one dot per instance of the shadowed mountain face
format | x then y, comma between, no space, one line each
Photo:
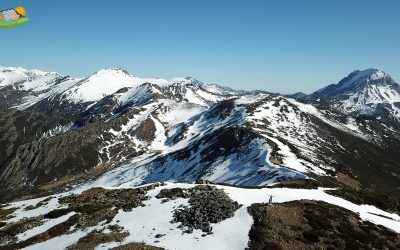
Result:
116,128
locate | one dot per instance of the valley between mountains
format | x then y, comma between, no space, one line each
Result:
115,161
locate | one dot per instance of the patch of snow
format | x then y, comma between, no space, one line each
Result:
248,99
352,124
22,213
43,228
60,242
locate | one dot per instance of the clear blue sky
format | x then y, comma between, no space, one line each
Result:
281,46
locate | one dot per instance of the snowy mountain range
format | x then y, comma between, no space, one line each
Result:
115,130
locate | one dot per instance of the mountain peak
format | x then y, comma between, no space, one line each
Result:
23,71
368,74
112,71
357,80
186,80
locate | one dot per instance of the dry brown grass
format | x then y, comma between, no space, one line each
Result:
348,181
95,238
6,213
98,169
315,225
136,246
9,231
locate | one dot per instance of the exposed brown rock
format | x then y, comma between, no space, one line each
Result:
6,212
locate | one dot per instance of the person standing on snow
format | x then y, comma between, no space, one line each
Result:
12,14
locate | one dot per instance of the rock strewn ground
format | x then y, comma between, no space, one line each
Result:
8,232
92,207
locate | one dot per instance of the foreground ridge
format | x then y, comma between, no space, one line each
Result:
124,220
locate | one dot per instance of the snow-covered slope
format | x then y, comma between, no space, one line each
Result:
208,144
104,83
10,75
250,140
33,86
189,130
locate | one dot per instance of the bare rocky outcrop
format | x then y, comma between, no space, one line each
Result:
208,205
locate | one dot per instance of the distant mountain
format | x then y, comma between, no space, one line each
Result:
357,81
299,95
370,92
31,87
